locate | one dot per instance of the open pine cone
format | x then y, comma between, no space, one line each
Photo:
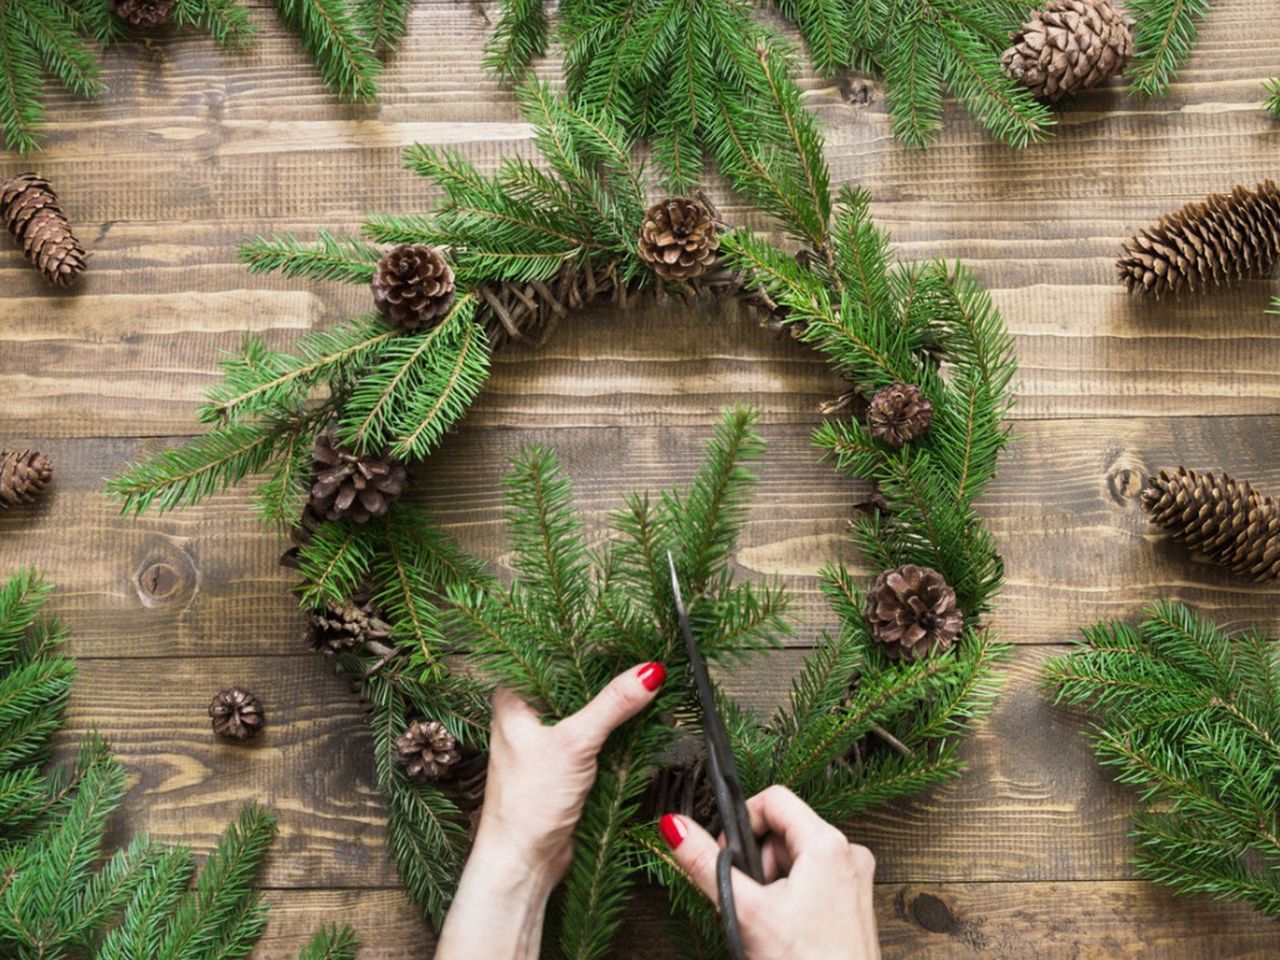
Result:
340,628
350,485
1069,46
912,611
236,713
678,238
427,750
413,286
1225,520
23,474
30,210
1228,237
899,413
142,14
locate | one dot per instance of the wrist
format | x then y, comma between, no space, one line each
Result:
514,863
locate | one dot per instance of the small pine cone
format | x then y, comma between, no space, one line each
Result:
1226,238
142,14
1069,46
23,474
899,413
678,238
30,210
340,628
350,485
1225,520
237,713
413,286
427,750
913,612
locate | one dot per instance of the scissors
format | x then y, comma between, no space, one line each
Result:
741,849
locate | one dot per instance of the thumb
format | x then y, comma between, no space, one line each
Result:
625,695
697,852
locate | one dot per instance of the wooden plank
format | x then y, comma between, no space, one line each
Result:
1064,510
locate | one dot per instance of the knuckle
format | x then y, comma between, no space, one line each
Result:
862,861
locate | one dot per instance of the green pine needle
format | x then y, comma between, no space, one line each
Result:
1273,101
1165,34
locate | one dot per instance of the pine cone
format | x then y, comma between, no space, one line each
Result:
348,484
340,628
678,238
1070,46
899,413
23,474
913,612
427,750
142,14
237,713
30,210
413,286
1225,520
1228,237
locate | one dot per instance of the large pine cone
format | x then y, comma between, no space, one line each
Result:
23,474
31,212
142,14
1228,237
236,713
912,611
348,484
344,627
1070,46
413,286
1225,520
899,413
678,238
427,750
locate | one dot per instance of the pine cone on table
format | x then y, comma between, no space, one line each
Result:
346,627
349,484
1069,46
142,14
427,750
413,286
23,475
236,713
899,413
1225,520
1226,238
913,612
678,238
30,210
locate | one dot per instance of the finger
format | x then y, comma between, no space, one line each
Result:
775,857
696,851
508,706
779,812
625,695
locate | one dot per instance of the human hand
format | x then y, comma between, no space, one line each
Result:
816,899
539,776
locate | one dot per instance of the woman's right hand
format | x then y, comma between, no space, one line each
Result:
816,899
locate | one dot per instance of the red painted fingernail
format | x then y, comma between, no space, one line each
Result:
672,829
651,675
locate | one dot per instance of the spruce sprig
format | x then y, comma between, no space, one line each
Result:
1190,716
1273,100
1165,35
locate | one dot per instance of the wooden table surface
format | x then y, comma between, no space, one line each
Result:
193,149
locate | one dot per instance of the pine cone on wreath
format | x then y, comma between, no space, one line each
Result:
1069,46
1225,520
413,286
142,14
348,484
236,713
427,750
913,612
30,210
346,627
1228,237
678,238
23,475
899,413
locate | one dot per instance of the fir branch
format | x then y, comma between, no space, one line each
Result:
1273,101
328,258
227,21
331,943
519,39
1166,33
330,32
385,22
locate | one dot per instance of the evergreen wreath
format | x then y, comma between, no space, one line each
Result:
878,708
1190,716
52,38
59,897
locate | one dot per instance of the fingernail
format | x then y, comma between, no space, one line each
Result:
651,675
672,829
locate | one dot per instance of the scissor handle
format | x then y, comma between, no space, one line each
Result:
728,910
